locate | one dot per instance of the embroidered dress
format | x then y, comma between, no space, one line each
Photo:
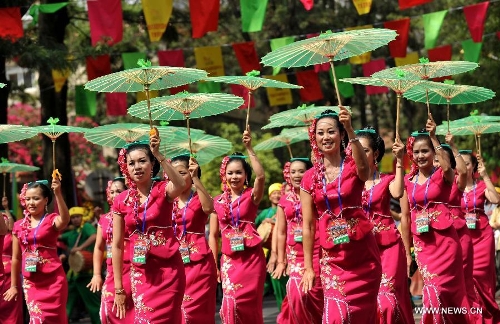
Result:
108,288
437,251
201,272
158,284
46,289
482,238
243,272
350,272
393,300
11,311
302,307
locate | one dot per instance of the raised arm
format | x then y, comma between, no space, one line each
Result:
62,220
444,162
491,193
207,203
213,240
260,178
397,186
461,168
4,223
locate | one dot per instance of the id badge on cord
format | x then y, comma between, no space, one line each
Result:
31,261
140,251
184,250
109,254
236,242
338,231
471,220
422,221
297,234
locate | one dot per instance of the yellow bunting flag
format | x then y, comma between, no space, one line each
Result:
157,14
278,96
410,58
387,164
60,78
209,58
362,6
365,57
142,95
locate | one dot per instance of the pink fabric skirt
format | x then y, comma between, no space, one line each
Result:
394,304
11,312
484,272
200,295
439,258
350,275
108,296
467,261
243,274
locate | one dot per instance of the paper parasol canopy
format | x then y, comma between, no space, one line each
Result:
13,133
300,116
285,138
329,47
9,167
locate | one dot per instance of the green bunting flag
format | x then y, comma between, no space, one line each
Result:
343,71
45,8
209,87
472,51
85,101
432,25
130,59
277,43
252,14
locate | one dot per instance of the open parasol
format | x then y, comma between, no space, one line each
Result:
145,78
203,147
329,47
251,81
287,137
449,94
426,70
303,115
185,105
9,167
397,83
53,131
13,133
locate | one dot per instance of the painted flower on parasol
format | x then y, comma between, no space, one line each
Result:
329,47
252,82
425,70
53,131
397,82
9,167
287,137
185,105
303,115
146,78
448,93
14,133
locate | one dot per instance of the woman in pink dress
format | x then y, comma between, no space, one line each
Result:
474,196
243,265
190,214
143,214
331,196
394,304
104,238
435,240
34,252
302,307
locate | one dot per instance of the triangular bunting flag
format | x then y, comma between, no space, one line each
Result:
397,47
98,66
252,15
247,56
173,58
370,68
472,50
116,103
411,58
157,14
208,86
106,21
311,90
308,4
277,43
405,4
277,96
343,71
432,25
441,53
476,15
204,16
241,91
362,6
209,58
130,59
11,26
85,101
60,78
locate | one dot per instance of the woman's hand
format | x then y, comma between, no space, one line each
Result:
430,126
218,276
271,264
119,304
193,168
308,278
10,294
154,145
247,138
279,271
56,186
449,139
345,118
481,169
398,149
95,284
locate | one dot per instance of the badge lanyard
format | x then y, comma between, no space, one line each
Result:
367,209
338,190
236,223
184,229
473,200
36,231
296,205
428,181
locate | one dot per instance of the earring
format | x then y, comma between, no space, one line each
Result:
46,208
246,182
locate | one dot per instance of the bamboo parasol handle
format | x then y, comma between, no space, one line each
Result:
53,154
248,108
398,102
428,105
448,113
189,136
4,181
289,150
479,144
330,59
146,89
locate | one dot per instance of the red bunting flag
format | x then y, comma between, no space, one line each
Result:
204,16
476,15
370,68
106,21
397,47
308,4
441,53
241,91
173,58
11,26
405,4
247,56
311,90
98,66
116,103
324,67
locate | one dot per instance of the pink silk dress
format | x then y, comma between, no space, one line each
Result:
302,307
438,252
11,312
242,272
484,252
46,289
108,296
393,299
157,285
201,272
350,272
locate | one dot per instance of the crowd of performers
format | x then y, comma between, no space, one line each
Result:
334,237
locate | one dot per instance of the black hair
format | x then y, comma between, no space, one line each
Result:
376,142
142,146
121,180
307,162
473,160
423,135
185,158
448,150
332,114
238,156
46,193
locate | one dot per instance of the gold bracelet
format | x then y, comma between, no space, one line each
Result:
456,156
161,161
120,291
437,148
355,139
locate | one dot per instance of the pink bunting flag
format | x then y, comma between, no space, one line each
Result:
370,68
241,91
476,15
308,4
106,21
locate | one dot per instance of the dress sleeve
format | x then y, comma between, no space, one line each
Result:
119,204
307,181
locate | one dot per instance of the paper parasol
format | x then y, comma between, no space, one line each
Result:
329,47
285,138
53,131
203,147
13,133
145,78
300,116
397,83
9,167
2,85
185,105
426,70
252,82
449,94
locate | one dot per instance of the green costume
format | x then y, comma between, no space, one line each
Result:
77,282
